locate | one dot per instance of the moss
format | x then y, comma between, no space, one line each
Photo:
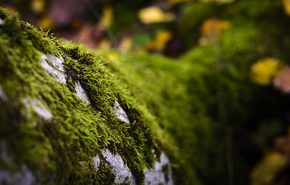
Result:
187,108
61,149
166,103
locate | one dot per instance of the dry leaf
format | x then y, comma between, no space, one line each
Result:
160,40
282,81
104,44
38,6
45,23
107,18
126,44
264,71
154,14
90,35
265,172
213,27
286,4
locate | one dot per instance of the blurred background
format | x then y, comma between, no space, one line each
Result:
173,28
169,27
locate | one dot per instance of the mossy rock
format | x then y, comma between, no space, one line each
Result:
73,116
69,115
65,118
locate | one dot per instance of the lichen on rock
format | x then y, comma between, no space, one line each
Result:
21,177
2,22
81,93
3,95
160,173
120,113
54,66
97,162
120,170
37,107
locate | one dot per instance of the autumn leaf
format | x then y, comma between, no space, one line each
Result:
211,28
265,172
159,43
38,6
154,14
286,4
126,44
107,18
282,81
214,26
90,35
45,23
104,44
264,71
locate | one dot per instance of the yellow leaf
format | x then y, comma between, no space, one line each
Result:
213,27
45,23
154,14
104,44
107,18
38,6
264,71
286,4
159,43
267,169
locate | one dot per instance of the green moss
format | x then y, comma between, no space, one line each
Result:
61,149
185,107
166,103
